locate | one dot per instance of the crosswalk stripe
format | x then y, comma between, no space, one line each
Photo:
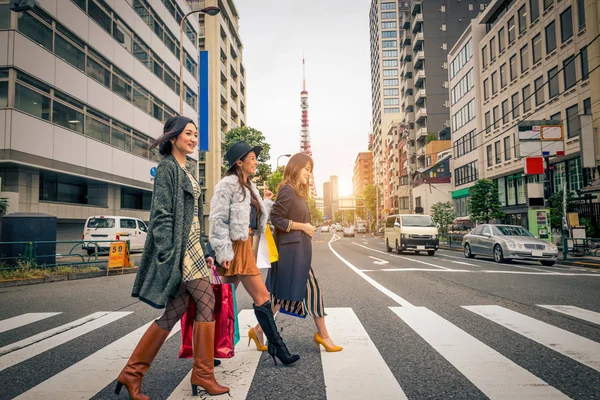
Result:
358,371
236,373
24,319
90,375
581,313
495,375
32,346
571,345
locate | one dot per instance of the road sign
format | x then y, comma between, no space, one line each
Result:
118,256
153,172
542,138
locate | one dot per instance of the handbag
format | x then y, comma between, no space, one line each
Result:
273,253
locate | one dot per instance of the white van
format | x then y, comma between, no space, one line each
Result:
106,227
413,232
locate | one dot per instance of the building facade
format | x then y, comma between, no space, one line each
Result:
85,87
327,201
363,172
219,37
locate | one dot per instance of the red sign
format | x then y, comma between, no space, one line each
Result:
534,165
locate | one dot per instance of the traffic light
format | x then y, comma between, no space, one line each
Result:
22,5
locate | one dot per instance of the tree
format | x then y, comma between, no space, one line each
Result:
254,138
431,136
369,193
316,217
485,204
275,179
443,214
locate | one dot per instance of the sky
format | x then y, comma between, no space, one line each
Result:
333,35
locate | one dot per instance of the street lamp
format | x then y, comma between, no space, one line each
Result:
212,11
283,155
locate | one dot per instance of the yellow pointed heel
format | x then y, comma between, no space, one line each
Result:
252,336
330,349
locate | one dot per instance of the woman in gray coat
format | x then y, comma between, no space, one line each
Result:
173,268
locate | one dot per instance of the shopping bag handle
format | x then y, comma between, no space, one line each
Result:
217,278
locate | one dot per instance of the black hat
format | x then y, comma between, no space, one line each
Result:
239,150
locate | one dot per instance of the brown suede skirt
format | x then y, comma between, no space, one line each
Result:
244,258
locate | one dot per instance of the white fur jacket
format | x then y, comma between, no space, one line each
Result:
229,217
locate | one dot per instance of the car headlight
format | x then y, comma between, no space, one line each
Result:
512,245
434,236
552,247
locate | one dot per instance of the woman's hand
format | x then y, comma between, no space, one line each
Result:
268,194
226,264
210,262
308,229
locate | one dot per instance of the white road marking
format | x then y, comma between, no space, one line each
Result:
374,283
84,379
581,313
492,262
358,371
578,348
495,375
24,319
236,373
478,271
465,263
37,344
404,258
379,261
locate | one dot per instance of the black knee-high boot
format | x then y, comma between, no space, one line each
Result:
276,347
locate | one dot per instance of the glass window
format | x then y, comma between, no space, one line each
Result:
553,88
97,129
81,4
575,174
507,151
99,15
503,75
127,223
488,122
512,192
502,191
547,4
490,160
566,25
558,176
522,19
505,112
32,102
569,72
550,37
524,59
98,72
484,61
496,115
521,198
140,145
587,106
492,49
36,30
69,52
3,94
538,85
515,105
534,10
581,14
486,89
120,139
121,84
526,98
573,122
5,16
536,48
493,79
584,63
501,40
67,117
123,35
513,67
141,98
498,152
511,30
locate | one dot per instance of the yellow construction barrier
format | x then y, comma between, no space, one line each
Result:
118,256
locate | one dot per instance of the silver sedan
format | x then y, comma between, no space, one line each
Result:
508,242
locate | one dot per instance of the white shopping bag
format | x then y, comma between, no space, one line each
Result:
263,260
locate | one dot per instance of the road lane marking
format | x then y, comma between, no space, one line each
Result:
492,262
87,377
37,344
578,348
495,375
379,261
236,373
373,282
359,371
404,258
24,319
581,313
465,263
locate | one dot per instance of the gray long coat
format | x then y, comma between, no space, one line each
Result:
171,216
287,277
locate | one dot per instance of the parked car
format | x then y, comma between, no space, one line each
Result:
349,231
339,228
325,228
508,242
411,232
361,229
106,227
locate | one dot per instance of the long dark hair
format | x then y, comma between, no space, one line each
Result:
291,174
173,128
237,171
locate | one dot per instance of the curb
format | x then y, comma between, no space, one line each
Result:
68,277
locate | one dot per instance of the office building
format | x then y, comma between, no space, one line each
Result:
363,172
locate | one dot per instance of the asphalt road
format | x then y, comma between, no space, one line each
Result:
413,326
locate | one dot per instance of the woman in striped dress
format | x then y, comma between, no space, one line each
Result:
291,281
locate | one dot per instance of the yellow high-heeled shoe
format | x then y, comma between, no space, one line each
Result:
330,349
252,336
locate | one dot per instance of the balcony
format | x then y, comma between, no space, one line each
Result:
406,38
232,66
420,96
420,77
234,88
232,124
407,100
420,133
223,46
417,23
223,94
224,115
418,42
223,71
419,58
421,114
416,8
421,152
233,110
406,24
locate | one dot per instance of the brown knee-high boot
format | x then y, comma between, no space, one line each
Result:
131,376
203,372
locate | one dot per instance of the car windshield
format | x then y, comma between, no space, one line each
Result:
101,223
507,230
417,220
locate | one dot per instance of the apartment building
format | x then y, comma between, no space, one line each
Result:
221,50
534,66
363,172
466,117
386,29
85,87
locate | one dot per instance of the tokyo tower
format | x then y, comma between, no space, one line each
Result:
305,130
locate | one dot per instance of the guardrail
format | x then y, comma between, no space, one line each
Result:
580,247
28,252
452,240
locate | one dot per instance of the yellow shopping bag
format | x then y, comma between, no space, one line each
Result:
273,253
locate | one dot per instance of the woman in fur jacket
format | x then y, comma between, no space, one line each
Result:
238,217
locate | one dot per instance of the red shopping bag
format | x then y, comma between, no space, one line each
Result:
187,330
